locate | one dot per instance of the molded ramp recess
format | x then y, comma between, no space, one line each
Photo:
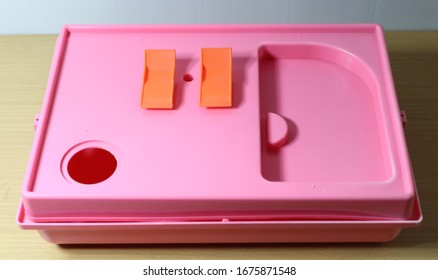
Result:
277,131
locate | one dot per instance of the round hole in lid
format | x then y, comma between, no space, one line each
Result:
91,165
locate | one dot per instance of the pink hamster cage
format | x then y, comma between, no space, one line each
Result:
311,148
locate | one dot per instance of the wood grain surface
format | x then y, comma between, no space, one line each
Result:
24,67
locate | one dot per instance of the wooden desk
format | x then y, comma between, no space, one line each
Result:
24,66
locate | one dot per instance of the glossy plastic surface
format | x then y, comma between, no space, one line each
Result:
344,157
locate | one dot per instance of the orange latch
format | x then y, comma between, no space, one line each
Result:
216,64
158,79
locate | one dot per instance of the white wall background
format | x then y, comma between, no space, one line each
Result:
47,16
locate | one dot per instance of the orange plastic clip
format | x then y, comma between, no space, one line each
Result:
158,79
216,64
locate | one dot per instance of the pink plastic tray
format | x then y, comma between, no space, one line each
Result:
105,167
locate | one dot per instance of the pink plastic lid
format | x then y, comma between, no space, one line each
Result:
314,131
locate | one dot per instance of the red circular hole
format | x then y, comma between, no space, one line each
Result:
188,78
91,166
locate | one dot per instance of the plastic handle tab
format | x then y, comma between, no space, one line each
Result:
216,77
158,80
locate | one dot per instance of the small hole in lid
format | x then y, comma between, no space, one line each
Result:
188,78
